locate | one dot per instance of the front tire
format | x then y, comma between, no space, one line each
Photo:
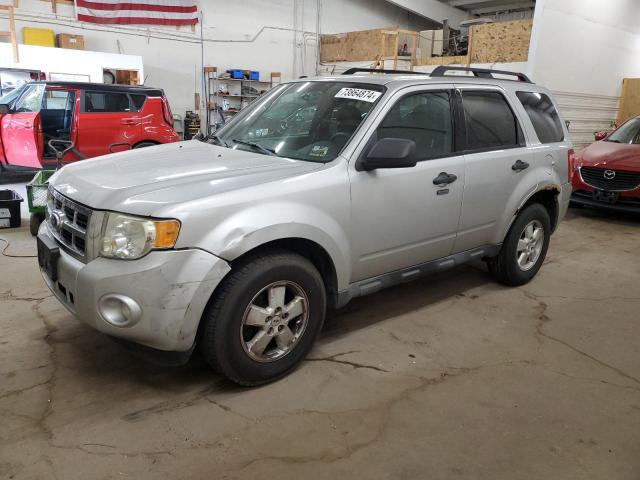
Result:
145,144
264,318
35,219
524,248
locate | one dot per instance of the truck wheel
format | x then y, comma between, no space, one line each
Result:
524,249
34,223
264,318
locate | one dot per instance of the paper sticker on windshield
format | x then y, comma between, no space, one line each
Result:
359,94
318,151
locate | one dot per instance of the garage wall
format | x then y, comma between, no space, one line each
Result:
582,49
256,34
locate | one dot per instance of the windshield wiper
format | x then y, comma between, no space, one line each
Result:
216,138
257,146
612,141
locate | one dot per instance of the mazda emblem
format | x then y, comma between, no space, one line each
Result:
609,174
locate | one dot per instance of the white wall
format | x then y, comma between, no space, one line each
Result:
582,49
585,46
252,34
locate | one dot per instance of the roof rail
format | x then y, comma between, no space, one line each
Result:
351,71
441,70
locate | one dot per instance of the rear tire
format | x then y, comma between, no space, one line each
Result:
524,249
264,318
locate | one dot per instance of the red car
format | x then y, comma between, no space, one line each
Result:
96,118
606,174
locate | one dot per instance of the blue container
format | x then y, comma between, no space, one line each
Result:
253,75
237,74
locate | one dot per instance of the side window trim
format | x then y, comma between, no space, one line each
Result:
462,129
454,141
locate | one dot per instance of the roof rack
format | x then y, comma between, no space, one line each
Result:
441,70
351,71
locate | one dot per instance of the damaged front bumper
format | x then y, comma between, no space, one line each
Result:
156,301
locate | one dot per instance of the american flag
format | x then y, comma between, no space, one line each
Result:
146,12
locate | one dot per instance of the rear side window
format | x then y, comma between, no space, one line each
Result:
138,101
489,121
543,115
424,118
106,102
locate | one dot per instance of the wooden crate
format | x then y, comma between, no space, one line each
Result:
498,42
367,45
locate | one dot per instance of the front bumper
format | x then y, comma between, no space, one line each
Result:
171,287
623,204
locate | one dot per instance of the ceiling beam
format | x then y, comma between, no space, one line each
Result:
503,8
464,3
433,10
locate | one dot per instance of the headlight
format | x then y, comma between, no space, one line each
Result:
131,237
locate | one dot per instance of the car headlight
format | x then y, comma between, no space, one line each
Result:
129,237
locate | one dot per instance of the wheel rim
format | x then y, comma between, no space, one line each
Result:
530,245
274,321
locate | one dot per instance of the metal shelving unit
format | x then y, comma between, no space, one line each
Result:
225,97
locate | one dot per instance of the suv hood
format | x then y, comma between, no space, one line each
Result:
142,181
612,155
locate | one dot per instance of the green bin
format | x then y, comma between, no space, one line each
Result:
37,198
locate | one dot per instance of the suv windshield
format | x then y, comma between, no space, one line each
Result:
627,133
310,121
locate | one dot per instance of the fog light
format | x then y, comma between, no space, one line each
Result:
119,310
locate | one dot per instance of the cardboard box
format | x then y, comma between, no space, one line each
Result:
66,40
42,37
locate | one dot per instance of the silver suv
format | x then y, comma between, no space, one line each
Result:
323,190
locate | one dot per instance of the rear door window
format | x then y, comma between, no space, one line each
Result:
544,117
58,99
424,118
103,102
489,121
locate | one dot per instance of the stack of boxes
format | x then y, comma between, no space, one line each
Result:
44,37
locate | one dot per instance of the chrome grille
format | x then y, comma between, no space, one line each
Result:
610,179
67,221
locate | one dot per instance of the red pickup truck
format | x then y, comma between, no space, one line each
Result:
97,118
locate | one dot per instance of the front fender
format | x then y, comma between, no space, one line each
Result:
257,225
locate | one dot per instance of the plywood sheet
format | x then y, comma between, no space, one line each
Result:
456,60
629,100
492,43
362,45
501,42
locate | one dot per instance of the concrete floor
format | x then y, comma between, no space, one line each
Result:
448,377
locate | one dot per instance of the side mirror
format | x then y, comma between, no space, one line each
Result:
4,109
390,153
600,135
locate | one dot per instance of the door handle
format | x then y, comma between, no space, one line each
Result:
129,121
519,166
444,178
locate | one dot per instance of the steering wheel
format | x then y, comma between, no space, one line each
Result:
340,139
